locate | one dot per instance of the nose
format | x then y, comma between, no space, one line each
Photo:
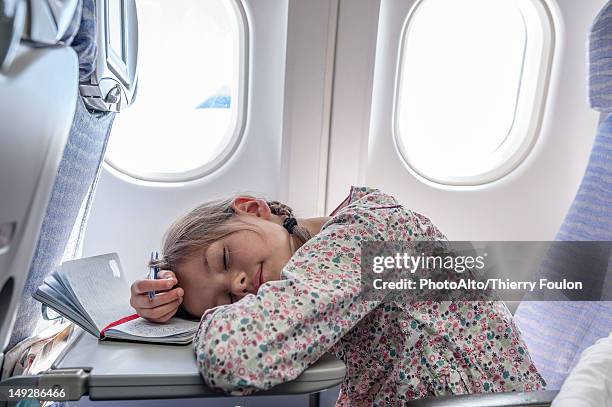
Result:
240,284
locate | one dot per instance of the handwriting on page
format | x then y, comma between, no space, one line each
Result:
148,329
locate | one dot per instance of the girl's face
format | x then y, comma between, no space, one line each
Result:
236,265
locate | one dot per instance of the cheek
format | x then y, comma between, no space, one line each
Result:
252,252
193,289
280,245
193,303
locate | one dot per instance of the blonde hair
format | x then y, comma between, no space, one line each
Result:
207,223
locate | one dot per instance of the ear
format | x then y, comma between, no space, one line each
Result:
247,205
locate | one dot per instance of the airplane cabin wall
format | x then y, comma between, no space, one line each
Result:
319,119
527,204
129,216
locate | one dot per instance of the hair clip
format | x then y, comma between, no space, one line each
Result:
289,224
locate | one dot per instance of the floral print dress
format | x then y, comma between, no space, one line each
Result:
393,351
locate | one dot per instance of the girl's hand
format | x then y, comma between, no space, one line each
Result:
166,301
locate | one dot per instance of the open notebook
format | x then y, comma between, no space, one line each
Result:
94,294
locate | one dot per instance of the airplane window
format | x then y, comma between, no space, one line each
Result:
470,88
187,117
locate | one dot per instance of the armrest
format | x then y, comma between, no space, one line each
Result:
513,399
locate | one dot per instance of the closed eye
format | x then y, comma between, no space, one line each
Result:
225,260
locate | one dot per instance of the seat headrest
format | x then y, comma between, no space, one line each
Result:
43,22
600,60
12,20
49,20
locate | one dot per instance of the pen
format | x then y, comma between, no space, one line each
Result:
153,274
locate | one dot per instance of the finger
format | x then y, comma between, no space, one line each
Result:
140,301
143,286
161,274
156,313
166,274
166,317
143,300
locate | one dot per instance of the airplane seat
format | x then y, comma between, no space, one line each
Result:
38,93
72,180
556,333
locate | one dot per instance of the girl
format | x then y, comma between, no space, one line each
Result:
275,293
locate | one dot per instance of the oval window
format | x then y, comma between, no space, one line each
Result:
471,85
189,112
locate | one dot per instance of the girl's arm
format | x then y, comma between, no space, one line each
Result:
272,337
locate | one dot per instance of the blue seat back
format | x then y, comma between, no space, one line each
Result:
556,333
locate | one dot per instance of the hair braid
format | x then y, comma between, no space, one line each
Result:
280,209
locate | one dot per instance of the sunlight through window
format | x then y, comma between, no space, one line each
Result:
470,87
188,113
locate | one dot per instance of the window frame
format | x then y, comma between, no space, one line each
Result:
530,102
239,118
118,63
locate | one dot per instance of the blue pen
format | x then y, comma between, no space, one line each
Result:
153,274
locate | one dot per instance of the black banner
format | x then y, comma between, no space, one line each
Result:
475,271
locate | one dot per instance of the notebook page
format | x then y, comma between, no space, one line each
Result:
143,328
100,286
60,293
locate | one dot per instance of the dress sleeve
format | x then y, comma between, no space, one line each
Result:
272,337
